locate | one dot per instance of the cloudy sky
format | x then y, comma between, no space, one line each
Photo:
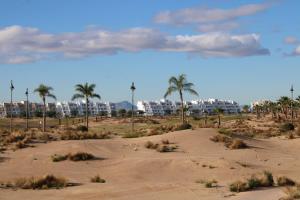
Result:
230,49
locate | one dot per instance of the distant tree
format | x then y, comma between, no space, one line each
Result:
179,84
219,112
285,103
246,108
51,114
74,113
129,113
38,113
122,112
113,113
44,92
85,91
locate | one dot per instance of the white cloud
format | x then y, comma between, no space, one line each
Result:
201,15
24,44
218,27
291,40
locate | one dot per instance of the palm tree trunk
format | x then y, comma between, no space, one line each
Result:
87,113
182,107
219,120
44,115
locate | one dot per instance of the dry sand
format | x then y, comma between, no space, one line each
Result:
133,172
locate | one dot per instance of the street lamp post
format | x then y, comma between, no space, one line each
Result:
292,96
132,88
27,109
11,104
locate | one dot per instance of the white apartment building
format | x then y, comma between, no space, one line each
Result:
195,107
150,108
111,108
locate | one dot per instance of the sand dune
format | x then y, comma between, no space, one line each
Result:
133,172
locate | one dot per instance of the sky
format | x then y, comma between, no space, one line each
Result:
230,49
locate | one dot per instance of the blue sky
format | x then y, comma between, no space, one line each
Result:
230,49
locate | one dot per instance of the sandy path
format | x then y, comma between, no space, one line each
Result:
134,172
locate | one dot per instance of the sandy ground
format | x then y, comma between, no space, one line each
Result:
133,172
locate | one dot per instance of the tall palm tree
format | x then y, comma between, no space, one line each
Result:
85,91
219,111
179,84
44,92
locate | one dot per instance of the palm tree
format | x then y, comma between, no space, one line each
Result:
179,84
85,91
246,108
285,103
219,111
44,92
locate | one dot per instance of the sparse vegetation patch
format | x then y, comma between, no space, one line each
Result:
79,156
97,179
46,182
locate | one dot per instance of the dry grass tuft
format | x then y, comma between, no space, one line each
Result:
72,135
79,156
292,193
46,182
208,183
285,181
164,147
255,181
97,179
236,144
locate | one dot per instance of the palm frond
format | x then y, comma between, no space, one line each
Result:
51,96
96,96
191,91
170,90
77,96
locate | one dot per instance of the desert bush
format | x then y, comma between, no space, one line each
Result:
238,186
20,145
225,131
97,179
165,148
151,145
286,127
285,181
255,181
237,144
84,136
82,128
291,136
58,158
183,126
165,141
292,193
81,156
208,183
220,138
46,182
15,136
